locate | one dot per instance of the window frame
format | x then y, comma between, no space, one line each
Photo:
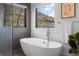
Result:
36,21
25,17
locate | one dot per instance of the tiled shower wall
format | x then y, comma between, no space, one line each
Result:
19,33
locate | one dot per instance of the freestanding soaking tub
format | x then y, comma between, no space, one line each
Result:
38,47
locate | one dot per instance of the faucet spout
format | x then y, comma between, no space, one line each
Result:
48,36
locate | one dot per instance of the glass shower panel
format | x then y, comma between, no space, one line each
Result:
12,21
5,34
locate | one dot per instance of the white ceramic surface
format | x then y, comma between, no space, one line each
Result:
38,47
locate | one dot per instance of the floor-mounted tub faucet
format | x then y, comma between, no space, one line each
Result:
48,36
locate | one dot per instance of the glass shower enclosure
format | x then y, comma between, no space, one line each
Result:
11,16
5,34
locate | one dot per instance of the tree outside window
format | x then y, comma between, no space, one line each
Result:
15,16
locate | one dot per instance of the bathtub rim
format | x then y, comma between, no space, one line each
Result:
21,40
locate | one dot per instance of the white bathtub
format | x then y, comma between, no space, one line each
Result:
38,47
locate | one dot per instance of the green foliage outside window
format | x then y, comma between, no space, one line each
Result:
15,16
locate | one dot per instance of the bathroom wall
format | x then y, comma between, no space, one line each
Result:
57,32
75,27
63,27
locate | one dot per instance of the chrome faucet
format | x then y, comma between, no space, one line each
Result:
48,36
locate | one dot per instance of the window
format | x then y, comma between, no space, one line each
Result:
45,16
15,16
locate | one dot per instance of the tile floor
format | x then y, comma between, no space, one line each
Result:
17,52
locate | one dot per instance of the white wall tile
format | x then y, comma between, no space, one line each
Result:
62,26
